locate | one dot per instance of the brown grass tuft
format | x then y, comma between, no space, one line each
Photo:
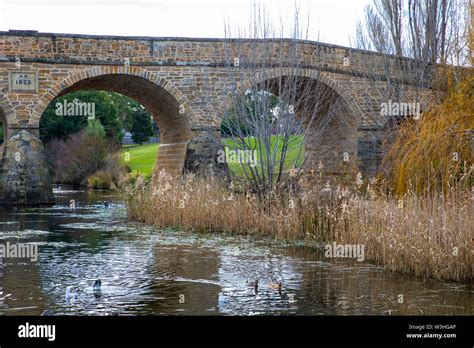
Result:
430,235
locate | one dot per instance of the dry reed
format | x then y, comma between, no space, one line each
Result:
430,236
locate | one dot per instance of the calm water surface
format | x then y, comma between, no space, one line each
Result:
146,271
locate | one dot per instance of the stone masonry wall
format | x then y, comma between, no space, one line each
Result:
185,84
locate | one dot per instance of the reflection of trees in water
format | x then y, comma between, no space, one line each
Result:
20,279
349,287
20,284
191,268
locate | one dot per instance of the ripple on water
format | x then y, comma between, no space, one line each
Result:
23,234
104,227
149,271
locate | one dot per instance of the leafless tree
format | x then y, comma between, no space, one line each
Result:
418,39
272,114
432,31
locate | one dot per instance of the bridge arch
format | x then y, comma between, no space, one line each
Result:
311,74
7,115
7,118
4,123
337,157
169,107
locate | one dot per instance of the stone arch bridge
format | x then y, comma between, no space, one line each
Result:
185,84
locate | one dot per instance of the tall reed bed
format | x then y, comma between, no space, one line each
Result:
430,235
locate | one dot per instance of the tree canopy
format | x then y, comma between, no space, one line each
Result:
142,128
114,111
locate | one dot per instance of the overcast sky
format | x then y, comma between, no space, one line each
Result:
331,21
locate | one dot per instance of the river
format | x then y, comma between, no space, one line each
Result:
145,271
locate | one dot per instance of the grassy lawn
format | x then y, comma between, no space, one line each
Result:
293,155
143,158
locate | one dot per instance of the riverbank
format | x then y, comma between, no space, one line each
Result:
427,236
145,270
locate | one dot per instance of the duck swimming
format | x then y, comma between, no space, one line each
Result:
253,284
97,284
275,286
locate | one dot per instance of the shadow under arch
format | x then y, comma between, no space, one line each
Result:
309,74
168,106
333,145
4,124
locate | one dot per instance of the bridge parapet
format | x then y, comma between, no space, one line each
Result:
30,46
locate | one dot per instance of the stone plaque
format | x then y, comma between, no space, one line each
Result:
21,81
